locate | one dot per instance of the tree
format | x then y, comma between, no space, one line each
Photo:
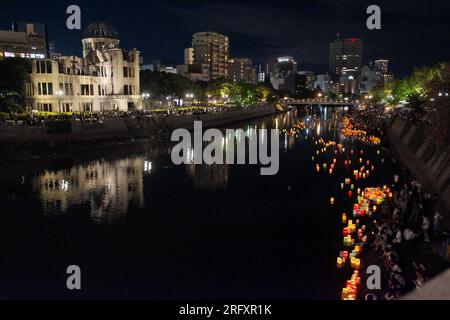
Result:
13,75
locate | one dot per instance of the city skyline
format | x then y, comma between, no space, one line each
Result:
259,31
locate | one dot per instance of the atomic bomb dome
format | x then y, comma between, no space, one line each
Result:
100,30
99,36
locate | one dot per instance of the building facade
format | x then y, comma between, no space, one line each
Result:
189,56
382,69
242,70
346,57
212,48
194,72
106,78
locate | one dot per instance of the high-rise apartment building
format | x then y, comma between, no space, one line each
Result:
242,70
213,49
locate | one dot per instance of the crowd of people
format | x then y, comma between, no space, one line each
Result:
95,117
407,237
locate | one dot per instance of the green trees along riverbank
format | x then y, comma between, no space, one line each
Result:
425,94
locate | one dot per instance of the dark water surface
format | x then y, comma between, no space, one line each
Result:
141,227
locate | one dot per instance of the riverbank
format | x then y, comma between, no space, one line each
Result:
21,142
413,147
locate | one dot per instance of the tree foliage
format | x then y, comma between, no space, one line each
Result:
13,74
242,94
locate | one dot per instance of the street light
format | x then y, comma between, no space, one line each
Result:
146,96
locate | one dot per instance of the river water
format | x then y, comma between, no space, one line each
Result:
140,227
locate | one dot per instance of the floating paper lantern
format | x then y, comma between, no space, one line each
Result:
352,187
339,262
344,218
373,168
347,241
332,200
342,186
360,160
345,231
359,191
331,171
350,194
355,263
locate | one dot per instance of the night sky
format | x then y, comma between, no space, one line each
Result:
413,33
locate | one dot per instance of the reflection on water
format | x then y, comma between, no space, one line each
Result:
108,187
180,232
209,177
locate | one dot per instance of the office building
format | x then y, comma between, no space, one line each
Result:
346,57
189,56
382,69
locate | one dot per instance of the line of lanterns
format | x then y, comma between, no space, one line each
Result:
367,202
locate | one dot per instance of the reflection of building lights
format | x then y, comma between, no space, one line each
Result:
65,185
147,166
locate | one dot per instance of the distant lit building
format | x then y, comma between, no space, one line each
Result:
189,56
242,70
346,57
284,66
324,83
194,72
309,79
105,78
212,48
369,78
168,69
382,69
26,40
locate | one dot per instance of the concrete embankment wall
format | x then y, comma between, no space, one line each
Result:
123,128
415,148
